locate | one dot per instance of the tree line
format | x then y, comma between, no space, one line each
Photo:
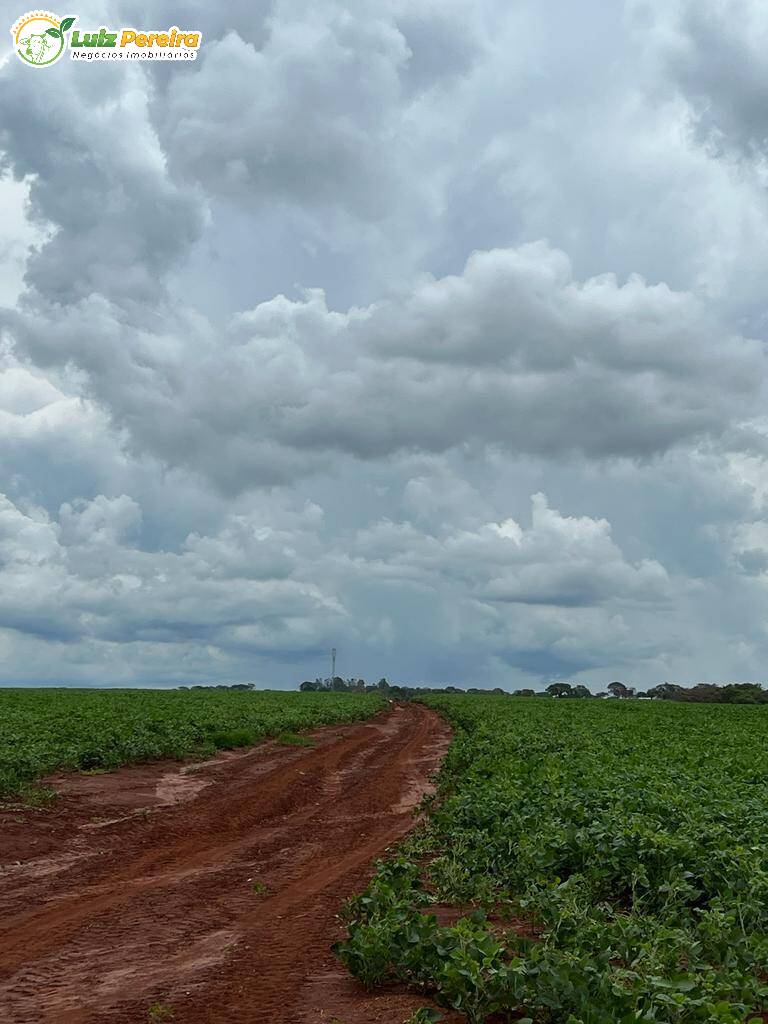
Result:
701,693
711,693
391,690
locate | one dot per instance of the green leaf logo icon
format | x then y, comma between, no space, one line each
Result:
39,37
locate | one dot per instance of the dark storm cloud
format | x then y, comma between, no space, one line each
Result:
97,174
513,352
215,467
718,55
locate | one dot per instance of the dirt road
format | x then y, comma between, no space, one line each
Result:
208,893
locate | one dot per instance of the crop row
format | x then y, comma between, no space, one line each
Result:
609,862
46,729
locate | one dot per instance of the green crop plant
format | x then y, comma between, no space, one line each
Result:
292,739
45,730
424,1015
614,853
160,1013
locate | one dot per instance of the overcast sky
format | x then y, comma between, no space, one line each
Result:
431,330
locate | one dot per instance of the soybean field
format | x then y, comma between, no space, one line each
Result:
584,862
46,729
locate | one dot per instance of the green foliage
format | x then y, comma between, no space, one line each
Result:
625,839
424,1015
159,1013
86,730
711,693
292,739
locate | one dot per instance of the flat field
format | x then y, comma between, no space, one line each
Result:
42,730
586,861
208,892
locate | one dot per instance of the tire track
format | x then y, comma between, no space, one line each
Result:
164,910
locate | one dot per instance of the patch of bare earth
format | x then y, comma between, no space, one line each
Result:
209,889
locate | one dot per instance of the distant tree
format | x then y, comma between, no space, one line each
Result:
524,693
601,693
559,689
382,685
619,690
705,693
581,691
745,693
666,691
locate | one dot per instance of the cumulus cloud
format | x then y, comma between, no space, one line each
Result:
247,125
258,588
285,352
98,178
559,560
513,352
715,52
17,236
80,576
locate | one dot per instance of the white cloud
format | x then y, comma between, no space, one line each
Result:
80,577
512,353
255,588
17,236
291,352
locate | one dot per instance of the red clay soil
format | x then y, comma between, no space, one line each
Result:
132,900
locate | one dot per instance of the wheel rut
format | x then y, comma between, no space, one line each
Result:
218,906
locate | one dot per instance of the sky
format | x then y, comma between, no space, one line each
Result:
431,331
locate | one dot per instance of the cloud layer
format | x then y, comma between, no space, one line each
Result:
431,333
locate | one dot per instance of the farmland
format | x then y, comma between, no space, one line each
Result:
208,892
47,729
600,863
